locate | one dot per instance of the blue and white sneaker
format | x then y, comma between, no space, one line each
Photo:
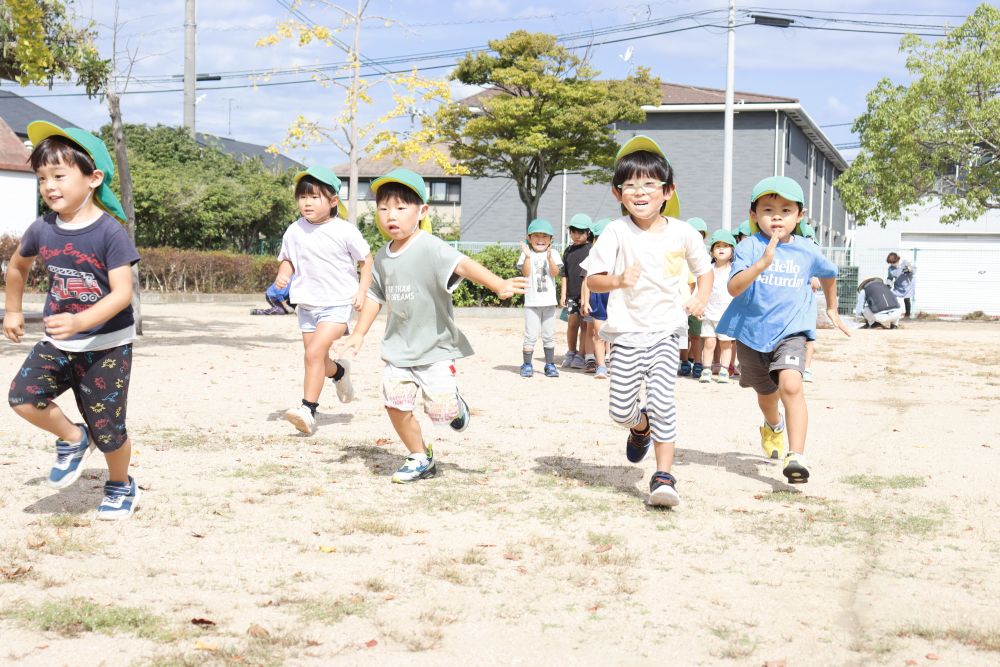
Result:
120,500
527,370
461,422
69,460
551,371
416,467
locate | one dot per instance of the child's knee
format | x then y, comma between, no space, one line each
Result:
441,408
622,417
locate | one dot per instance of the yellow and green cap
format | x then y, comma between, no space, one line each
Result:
105,199
324,175
781,186
743,229
599,226
409,179
722,236
699,225
807,230
640,142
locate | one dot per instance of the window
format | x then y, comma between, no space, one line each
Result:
445,192
364,188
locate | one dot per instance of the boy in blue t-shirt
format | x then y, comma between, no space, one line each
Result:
773,315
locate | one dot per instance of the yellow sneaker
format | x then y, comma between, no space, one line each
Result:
795,470
772,442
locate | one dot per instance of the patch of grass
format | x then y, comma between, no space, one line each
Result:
981,639
265,471
793,498
257,651
75,615
878,483
474,556
372,525
376,585
446,569
334,611
737,643
59,542
977,316
603,539
67,521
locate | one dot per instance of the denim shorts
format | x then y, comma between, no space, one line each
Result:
309,317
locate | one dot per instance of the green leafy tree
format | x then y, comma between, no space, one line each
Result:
937,137
544,111
39,43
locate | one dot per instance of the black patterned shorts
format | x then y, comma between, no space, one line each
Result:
99,380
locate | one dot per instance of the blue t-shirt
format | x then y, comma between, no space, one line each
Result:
779,303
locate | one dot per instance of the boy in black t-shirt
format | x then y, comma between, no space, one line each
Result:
579,235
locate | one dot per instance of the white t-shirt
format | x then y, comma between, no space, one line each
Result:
655,304
720,297
542,290
325,258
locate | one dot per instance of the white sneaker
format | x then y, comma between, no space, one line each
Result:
345,389
302,419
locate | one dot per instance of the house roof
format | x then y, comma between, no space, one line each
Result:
18,112
675,93
13,154
241,149
370,168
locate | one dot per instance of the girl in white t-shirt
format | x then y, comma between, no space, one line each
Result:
723,244
325,254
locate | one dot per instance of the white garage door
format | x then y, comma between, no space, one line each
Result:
956,273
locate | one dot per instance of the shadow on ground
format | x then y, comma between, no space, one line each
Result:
82,497
737,463
383,462
619,478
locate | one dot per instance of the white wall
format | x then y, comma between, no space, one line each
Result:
922,219
19,195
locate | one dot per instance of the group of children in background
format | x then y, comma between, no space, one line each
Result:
633,289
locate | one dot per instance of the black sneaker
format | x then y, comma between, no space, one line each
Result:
638,443
663,490
461,422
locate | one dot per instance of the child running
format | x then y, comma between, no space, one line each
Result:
539,264
773,314
640,259
324,252
89,325
571,285
722,245
414,276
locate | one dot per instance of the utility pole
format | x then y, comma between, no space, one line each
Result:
189,75
727,150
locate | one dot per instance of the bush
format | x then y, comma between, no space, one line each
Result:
38,279
176,270
500,261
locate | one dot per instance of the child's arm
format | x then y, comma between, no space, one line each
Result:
472,270
285,271
562,292
63,325
364,281
584,298
830,294
602,282
17,272
696,304
742,280
553,266
525,260
352,344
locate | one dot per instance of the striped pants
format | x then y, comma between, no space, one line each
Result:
657,366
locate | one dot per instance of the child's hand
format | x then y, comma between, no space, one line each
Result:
61,326
350,345
562,301
630,277
585,308
768,256
281,282
13,326
815,284
526,249
695,306
359,300
837,322
512,286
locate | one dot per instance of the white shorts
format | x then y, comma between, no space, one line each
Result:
436,381
309,316
708,330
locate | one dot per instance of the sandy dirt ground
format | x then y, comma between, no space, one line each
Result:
533,545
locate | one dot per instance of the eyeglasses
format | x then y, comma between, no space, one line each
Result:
636,188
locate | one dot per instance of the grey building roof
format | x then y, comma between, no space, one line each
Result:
371,168
674,93
241,149
13,154
18,112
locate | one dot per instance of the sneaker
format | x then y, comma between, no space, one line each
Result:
696,370
663,489
461,422
591,366
567,361
69,460
637,444
416,466
345,388
527,370
302,419
601,373
795,469
734,371
807,375
705,376
551,371
579,362
722,377
685,368
120,500
772,442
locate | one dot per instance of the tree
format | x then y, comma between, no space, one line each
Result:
937,137
543,112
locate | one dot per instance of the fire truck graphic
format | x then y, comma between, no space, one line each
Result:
73,284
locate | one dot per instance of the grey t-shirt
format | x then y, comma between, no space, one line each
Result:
415,286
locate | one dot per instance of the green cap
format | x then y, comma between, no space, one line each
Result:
540,226
324,175
778,185
744,228
699,225
722,236
807,230
641,142
105,199
407,178
599,226
581,221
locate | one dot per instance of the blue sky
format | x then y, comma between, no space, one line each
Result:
830,72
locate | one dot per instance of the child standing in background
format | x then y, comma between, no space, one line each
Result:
690,355
595,310
722,244
569,294
539,263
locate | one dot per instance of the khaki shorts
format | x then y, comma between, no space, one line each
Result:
708,328
436,381
759,370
